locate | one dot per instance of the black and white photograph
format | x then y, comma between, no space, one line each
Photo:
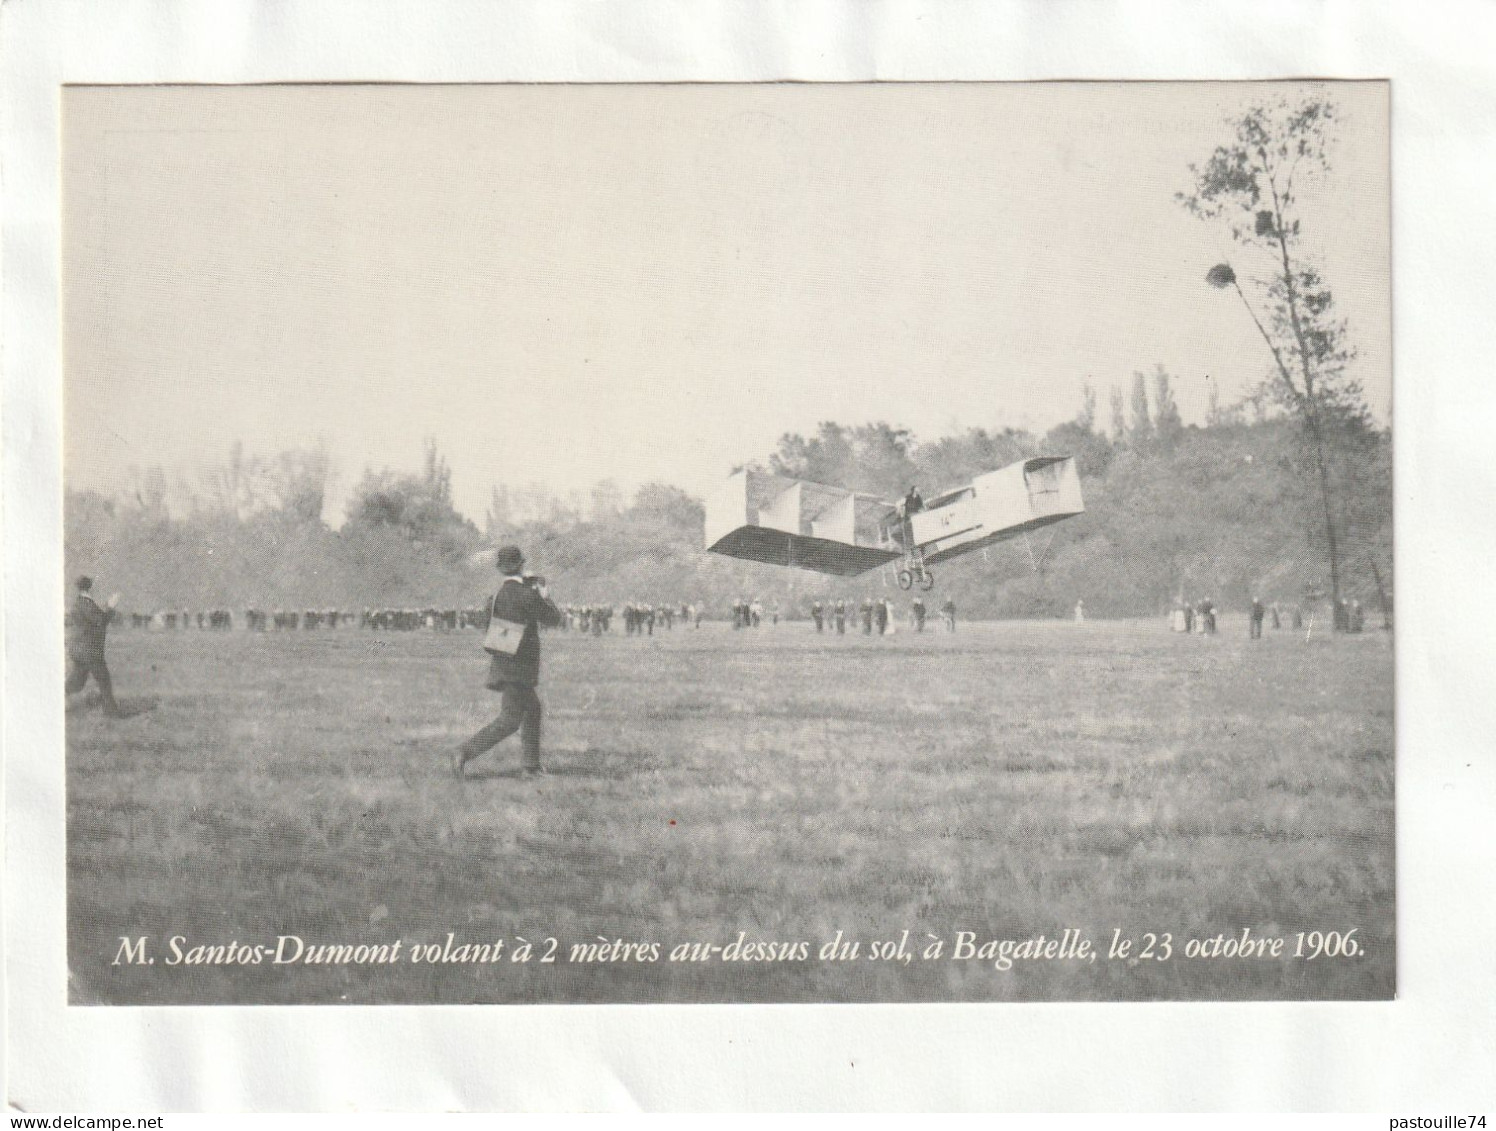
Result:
728,543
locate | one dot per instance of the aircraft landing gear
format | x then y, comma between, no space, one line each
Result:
914,572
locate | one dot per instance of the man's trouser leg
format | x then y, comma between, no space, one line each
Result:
77,676
529,734
100,672
511,717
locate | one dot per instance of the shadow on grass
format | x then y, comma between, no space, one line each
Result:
592,763
129,707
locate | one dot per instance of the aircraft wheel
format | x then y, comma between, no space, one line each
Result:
927,582
905,579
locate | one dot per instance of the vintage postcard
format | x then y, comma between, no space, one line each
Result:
728,543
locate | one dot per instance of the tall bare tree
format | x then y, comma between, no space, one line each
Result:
1252,185
1119,415
1166,420
299,481
1142,431
233,486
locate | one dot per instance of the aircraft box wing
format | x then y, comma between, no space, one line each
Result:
793,522
1000,505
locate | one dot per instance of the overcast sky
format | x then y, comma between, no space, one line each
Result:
564,284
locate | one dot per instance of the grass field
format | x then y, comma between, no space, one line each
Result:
1008,780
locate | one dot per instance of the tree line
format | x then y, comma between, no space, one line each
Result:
1225,510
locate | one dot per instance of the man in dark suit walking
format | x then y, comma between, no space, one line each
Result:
520,601
85,641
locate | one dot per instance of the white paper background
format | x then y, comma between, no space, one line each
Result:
1430,1052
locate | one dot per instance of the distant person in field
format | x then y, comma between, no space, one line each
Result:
866,610
87,627
1298,616
918,608
521,601
1080,612
1259,611
1277,616
880,616
818,614
948,614
841,618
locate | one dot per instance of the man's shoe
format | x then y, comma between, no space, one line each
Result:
533,772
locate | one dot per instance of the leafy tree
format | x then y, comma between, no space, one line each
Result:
825,458
235,487
954,460
499,521
1092,451
1119,415
1141,433
1218,415
299,479
607,500
419,507
876,458
1252,184
661,504
436,475
1087,416
1167,422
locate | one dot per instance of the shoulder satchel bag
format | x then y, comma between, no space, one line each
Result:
503,636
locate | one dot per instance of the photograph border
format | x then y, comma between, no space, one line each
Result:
1423,1048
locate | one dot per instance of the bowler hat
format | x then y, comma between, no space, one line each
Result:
85,582
509,559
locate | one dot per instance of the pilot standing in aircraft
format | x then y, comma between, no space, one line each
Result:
913,503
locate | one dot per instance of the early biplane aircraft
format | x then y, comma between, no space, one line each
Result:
793,522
